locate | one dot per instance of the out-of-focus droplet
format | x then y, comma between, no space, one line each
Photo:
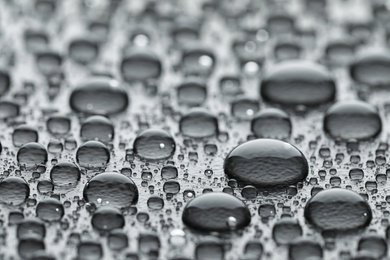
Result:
14,190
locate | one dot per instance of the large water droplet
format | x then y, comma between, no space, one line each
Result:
338,209
31,155
99,95
154,144
298,82
266,163
198,123
50,210
97,128
14,190
286,231
140,65
32,227
271,123
83,50
24,134
305,249
111,188
93,154
5,82
211,212
352,119
192,92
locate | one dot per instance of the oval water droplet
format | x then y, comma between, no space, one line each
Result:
97,128
14,190
140,64
31,155
266,163
50,210
154,144
107,219
198,123
24,134
83,50
93,154
65,174
271,123
192,92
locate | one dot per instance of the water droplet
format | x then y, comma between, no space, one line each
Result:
298,82
27,246
8,109
49,63
155,202
107,218
140,65
32,227
371,67
35,41
99,95
356,174
230,85
177,238
244,108
339,52
58,125
198,123
169,172
210,212
280,23
338,209
198,61
271,123
65,174
89,250
287,50
111,188
266,163
286,230
304,248
171,187
210,248
374,245
24,134
5,82
192,92
50,210
352,119
93,154
83,50
14,190
31,155
154,144
97,128
117,240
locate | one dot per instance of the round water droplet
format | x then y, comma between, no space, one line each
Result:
155,202
372,67
185,31
58,125
271,123
31,155
244,108
154,144
24,134
338,209
198,61
93,154
49,62
50,210
99,95
97,128
111,188
192,92
89,250
107,218
83,50
266,163
352,119
117,240
230,85
356,174
140,65
298,82
339,52
210,249
211,212
280,23
169,172
287,50
35,41
286,231
14,191
32,227
374,245
8,109
27,246
304,248
64,174
198,123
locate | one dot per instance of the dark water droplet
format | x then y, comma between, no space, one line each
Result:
169,172
287,50
249,192
45,186
356,174
5,82
298,82
230,85
280,24
24,134
41,255
58,124
253,249
371,67
107,218
50,210
244,108
154,144
49,62
198,61
55,147
210,249
99,95
65,174
31,155
338,209
15,217
8,109
89,250
339,52
97,128
352,119
155,202
140,65
117,240
304,248
266,163
45,8
14,190
83,50
27,246
35,41
185,31
374,245
93,154
216,212
271,123
31,227
198,123
111,188
286,230
192,92
171,187
148,243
